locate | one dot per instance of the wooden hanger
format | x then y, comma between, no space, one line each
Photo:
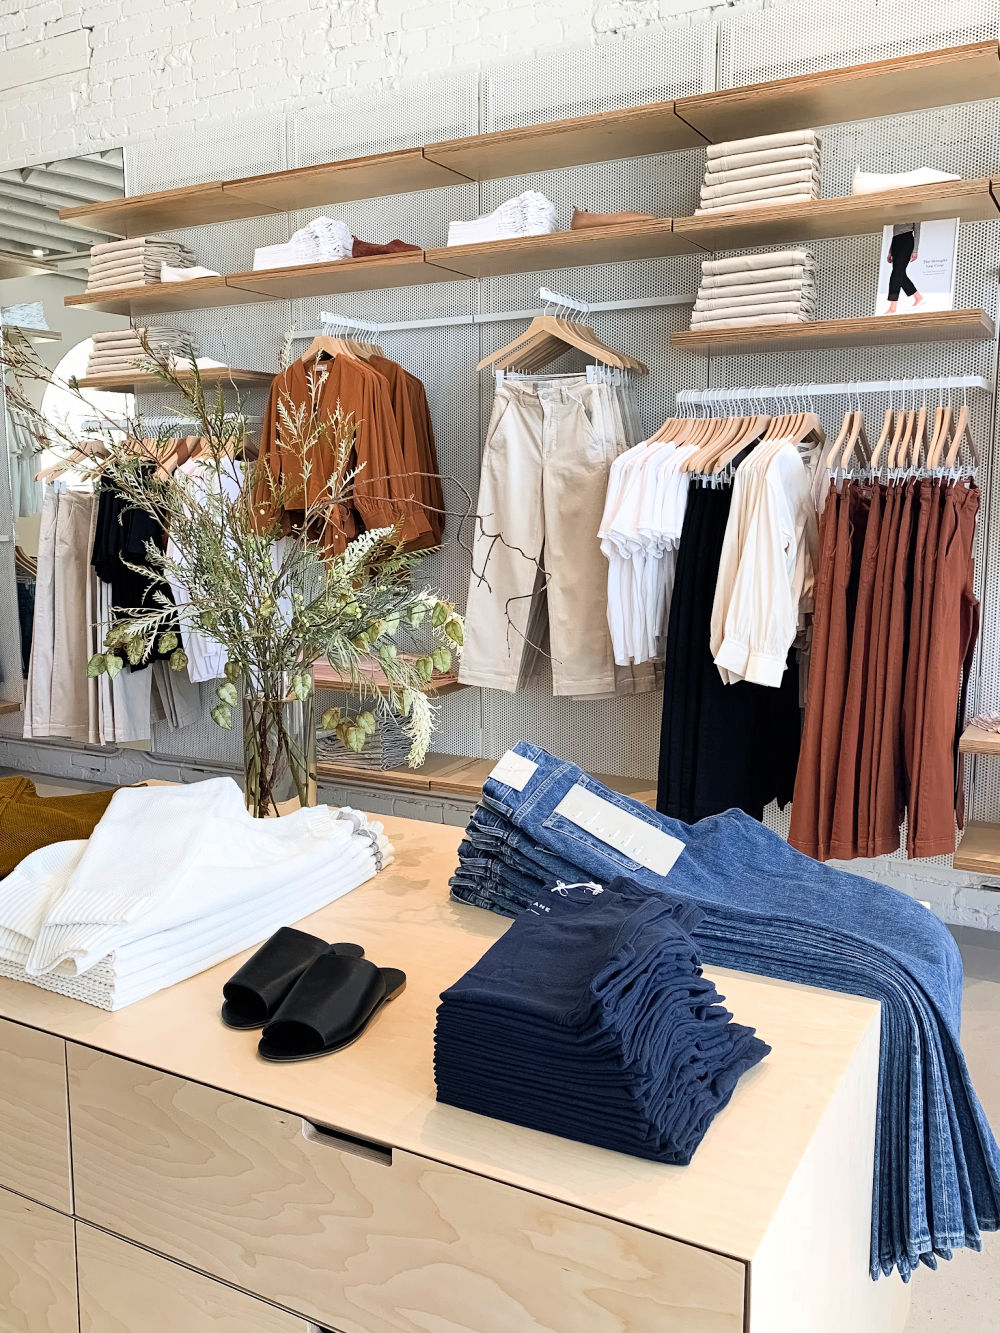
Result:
753,428
881,444
837,449
85,451
547,337
325,345
918,440
962,435
856,436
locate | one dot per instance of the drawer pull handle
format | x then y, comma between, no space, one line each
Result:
331,1138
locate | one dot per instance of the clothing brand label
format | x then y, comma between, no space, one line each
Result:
633,837
513,770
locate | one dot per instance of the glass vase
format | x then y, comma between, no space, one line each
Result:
279,747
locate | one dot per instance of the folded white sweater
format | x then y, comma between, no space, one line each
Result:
800,196
732,161
762,171
720,282
753,263
715,317
760,185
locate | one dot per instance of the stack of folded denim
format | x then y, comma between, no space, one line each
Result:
116,350
773,288
133,262
529,214
759,172
770,910
625,1045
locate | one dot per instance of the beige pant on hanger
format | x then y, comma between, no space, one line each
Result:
544,478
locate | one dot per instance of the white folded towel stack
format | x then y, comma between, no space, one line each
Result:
321,241
205,881
134,262
760,172
116,350
529,214
774,288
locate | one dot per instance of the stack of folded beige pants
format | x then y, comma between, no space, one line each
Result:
773,288
756,173
134,262
116,350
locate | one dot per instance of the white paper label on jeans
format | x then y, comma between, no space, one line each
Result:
633,837
513,770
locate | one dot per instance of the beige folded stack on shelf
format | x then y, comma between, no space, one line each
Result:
134,262
117,350
774,288
755,173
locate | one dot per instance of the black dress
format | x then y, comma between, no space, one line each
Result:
721,746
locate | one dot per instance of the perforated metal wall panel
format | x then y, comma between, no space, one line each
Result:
611,735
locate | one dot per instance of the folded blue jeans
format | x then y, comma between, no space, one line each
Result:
770,910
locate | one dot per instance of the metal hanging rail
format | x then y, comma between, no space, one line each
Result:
749,393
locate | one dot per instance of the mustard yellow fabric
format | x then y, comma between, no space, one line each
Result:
29,821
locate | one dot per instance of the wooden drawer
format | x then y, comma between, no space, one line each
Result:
127,1290
37,1268
361,1239
34,1117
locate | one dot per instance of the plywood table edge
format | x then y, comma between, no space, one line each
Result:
979,740
972,325
10,706
978,851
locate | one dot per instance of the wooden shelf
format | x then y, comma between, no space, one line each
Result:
253,196
564,249
924,327
979,850
455,775
975,740
33,335
854,215
409,269
441,683
603,137
154,298
133,381
858,92
9,706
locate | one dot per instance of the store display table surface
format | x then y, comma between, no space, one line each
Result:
781,1182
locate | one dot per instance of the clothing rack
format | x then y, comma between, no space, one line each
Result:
749,393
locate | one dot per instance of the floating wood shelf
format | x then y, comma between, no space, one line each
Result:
22,266
276,192
603,137
885,87
409,269
34,335
134,381
454,775
327,678
276,284
9,706
975,740
924,327
155,298
857,92
564,249
854,215
979,850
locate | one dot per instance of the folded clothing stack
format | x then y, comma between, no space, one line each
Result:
204,881
874,182
768,169
529,214
117,350
320,241
134,262
591,1019
770,910
389,747
778,287
25,315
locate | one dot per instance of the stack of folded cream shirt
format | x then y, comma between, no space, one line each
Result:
528,214
115,350
135,261
172,881
773,288
754,173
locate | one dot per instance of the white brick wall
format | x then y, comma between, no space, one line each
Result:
103,72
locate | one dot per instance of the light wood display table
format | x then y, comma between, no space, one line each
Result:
155,1176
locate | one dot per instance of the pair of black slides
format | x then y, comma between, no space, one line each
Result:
311,998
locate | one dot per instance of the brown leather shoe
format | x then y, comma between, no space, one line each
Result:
582,218
362,249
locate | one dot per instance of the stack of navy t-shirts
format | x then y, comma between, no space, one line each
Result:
591,1019
770,910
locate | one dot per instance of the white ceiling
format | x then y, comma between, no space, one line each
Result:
31,197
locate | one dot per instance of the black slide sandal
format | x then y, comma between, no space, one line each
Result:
329,1007
254,993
